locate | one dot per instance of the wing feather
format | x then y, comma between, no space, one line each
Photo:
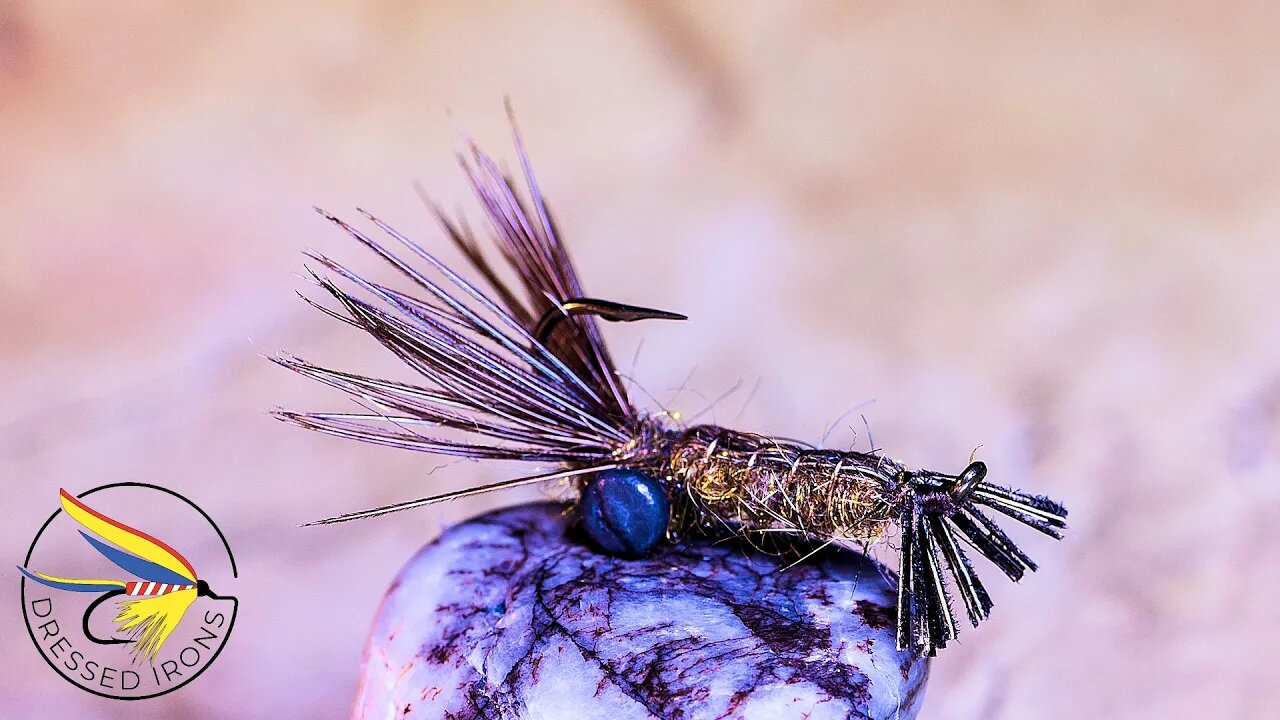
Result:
487,386
134,565
72,584
128,539
528,241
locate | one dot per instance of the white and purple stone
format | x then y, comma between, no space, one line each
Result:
511,615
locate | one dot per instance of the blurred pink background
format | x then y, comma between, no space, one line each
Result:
1051,233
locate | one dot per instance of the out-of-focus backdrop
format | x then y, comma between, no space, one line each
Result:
1052,234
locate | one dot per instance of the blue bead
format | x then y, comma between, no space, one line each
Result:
625,512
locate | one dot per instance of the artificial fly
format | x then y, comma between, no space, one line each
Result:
521,372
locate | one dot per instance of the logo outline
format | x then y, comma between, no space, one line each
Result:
235,574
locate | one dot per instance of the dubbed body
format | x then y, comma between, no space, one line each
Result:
723,481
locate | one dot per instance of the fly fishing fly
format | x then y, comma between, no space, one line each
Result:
519,371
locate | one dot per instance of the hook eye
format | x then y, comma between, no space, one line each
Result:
968,480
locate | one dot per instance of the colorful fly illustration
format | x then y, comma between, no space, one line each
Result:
150,608
520,372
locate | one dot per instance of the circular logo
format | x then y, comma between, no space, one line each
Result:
125,590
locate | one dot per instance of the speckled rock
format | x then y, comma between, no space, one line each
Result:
511,615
